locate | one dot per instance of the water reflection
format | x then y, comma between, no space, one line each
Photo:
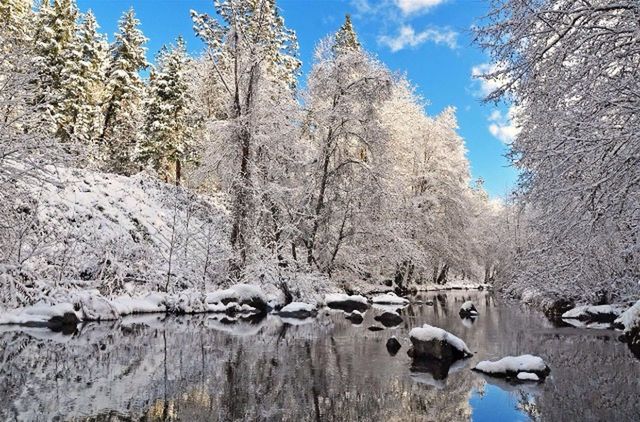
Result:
202,368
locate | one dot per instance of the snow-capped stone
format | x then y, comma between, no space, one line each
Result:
468,309
242,294
346,302
629,318
298,310
434,342
599,313
389,299
511,366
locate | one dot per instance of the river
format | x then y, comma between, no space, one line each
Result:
201,368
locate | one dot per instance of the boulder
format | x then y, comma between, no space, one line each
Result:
435,343
594,314
468,310
393,346
298,310
389,319
355,317
347,303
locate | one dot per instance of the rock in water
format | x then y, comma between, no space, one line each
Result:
393,345
468,309
298,310
355,317
375,328
347,303
389,319
435,343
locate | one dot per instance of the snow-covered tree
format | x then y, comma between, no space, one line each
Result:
54,37
121,129
571,67
344,93
171,123
252,56
346,38
79,113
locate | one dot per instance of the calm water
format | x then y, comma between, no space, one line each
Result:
196,368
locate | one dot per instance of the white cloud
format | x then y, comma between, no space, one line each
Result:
504,126
408,37
487,86
416,6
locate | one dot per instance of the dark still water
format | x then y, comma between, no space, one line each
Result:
196,368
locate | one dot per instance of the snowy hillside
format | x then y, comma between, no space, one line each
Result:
113,233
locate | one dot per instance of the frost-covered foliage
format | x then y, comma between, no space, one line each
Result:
571,68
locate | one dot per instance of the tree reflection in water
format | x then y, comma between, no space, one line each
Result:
199,368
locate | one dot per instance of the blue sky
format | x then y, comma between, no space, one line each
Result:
429,40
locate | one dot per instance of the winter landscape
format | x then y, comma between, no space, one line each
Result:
330,210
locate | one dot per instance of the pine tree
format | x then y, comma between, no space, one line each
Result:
170,122
79,115
53,42
346,38
124,95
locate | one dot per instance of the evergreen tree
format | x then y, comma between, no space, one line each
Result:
53,41
80,112
124,95
346,38
170,123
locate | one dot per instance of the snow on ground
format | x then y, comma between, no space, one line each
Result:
341,297
527,376
389,299
428,333
298,307
511,364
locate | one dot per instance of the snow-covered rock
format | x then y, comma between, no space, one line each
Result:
241,294
389,319
468,309
42,314
630,318
346,302
389,299
434,342
630,322
298,310
512,366
599,313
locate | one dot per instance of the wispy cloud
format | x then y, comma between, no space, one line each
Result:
503,126
409,7
408,37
